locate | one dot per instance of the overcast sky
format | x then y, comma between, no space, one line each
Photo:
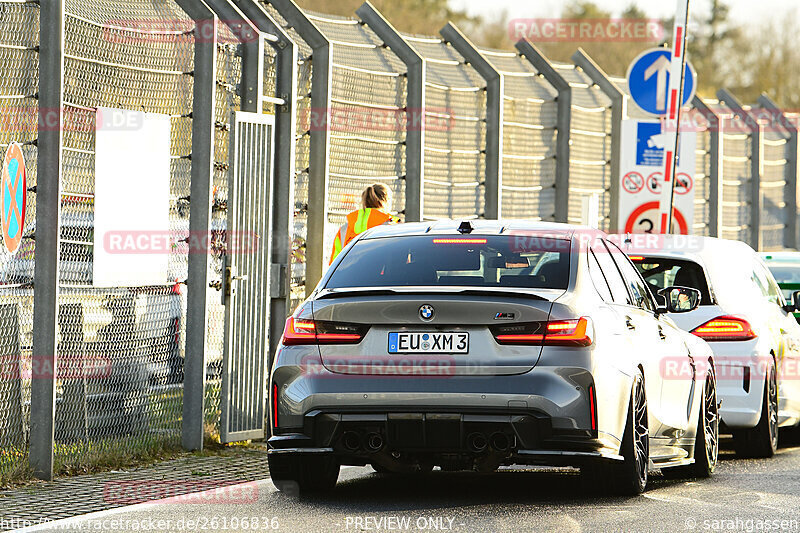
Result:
741,10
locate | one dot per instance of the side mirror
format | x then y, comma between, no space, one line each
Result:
794,305
680,299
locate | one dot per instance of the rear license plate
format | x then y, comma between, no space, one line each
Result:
422,342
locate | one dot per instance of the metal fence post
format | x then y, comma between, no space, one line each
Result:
618,114
203,106
252,76
756,169
46,268
319,146
715,152
563,123
493,154
791,238
283,187
415,107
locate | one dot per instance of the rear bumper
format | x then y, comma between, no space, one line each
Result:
515,436
547,409
740,382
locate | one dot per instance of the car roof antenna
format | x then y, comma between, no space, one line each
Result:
465,227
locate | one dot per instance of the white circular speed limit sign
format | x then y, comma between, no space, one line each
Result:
644,219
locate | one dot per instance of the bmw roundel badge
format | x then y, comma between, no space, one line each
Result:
426,312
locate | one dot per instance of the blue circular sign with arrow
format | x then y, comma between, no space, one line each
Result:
648,80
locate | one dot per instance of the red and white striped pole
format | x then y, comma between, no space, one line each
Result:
677,68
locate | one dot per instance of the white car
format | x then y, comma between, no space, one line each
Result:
745,319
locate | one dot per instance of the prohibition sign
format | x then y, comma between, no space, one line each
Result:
633,182
654,182
683,183
13,197
642,219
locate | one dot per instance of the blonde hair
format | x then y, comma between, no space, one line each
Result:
377,196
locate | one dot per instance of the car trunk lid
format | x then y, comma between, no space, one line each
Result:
399,322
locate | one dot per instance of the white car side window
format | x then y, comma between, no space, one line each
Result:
767,285
599,279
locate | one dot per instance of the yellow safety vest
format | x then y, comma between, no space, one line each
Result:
358,222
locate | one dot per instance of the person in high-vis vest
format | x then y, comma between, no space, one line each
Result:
376,200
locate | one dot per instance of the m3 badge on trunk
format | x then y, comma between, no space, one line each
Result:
426,312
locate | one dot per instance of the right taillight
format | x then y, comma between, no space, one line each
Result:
274,405
305,331
575,332
725,328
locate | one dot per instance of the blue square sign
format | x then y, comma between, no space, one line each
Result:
647,153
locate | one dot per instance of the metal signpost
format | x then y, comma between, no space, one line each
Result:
677,66
661,82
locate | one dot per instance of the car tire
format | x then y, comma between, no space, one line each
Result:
706,445
298,474
762,440
627,477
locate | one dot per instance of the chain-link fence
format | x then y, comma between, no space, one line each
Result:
302,116
702,181
455,99
121,350
19,59
529,133
773,184
590,150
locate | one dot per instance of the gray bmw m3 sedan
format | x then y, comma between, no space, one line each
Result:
473,345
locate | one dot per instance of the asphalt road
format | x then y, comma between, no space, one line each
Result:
743,495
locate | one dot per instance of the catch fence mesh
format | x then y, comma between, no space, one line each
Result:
302,115
590,145
19,61
530,112
120,349
736,176
455,132
774,163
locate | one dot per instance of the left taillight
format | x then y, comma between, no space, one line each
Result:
575,332
305,331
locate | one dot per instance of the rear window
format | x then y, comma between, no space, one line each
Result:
461,261
660,273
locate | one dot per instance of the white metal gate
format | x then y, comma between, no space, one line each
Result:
246,277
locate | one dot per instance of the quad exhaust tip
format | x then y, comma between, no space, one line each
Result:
499,442
351,441
374,442
477,442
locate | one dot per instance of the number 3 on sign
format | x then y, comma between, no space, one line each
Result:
641,220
